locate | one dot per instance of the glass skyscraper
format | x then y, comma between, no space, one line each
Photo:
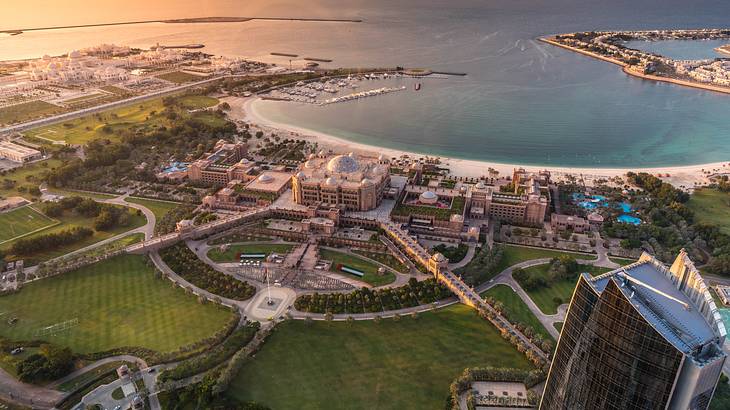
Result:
643,336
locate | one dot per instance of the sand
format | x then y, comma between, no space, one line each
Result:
686,177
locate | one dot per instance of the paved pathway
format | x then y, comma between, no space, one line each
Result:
467,258
27,395
121,358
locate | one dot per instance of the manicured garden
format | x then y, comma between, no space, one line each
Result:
394,364
118,302
70,220
711,206
186,264
516,310
105,124
385,259
371,277
233,251
158,208
549,297
22,221
516,254
24,181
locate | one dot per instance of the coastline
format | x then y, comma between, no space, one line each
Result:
633,73
686,176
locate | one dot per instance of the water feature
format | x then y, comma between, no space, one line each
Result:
521,102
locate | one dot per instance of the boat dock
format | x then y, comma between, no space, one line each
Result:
284,55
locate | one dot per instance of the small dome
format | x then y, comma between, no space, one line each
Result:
438,257
265,178
322,153
428,197
309,164
330,181
300,175
343,164
351,155
480,185
366,182
74,54
312,156
381,158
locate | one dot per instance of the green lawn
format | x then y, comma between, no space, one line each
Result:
558,326
516,254
180,77
406,364
544,297
231,255
27,111
22,221
93,374
516,308
621,261
85,194
159,208
351,261
711,206
69,220
25,177
118,302
105,124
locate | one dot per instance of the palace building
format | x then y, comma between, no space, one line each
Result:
355,184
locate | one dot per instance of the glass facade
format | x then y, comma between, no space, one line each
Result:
609,356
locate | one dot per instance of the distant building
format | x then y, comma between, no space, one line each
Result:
226,163
644,336
563,223
355,184
12,202
18,153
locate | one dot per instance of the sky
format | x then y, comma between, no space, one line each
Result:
17,14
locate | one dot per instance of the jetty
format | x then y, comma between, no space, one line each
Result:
321,60
285,55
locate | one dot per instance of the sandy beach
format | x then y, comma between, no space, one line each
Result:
680,176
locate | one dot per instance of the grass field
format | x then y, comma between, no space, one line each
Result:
180,77
159,208
516,254
118,302
558,326
69,220
351,261
27,111
9,362
621,261
544,298
84,194
105,124
711,206
406,364
517,309
22,221
26,177
231,255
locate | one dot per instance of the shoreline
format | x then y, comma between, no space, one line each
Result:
686,176
633,73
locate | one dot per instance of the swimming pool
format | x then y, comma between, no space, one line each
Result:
628,219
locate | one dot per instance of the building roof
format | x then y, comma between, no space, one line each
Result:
270,181
345,164
675,313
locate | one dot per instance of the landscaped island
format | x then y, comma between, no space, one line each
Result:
611,46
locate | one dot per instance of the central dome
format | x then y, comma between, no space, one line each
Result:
345,164
428,197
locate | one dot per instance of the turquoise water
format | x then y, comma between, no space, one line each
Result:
522,101
682,49
628,219
725,313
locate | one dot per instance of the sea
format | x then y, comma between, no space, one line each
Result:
521,102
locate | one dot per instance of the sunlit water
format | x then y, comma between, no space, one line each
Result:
522,101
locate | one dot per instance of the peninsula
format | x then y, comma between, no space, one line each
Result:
611,46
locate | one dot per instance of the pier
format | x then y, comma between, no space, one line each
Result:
285,55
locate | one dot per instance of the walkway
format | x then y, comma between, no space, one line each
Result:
27,395
121,358
467,258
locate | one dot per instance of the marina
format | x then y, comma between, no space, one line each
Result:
316,92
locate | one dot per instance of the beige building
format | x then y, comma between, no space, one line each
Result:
562,223
528,207
18,153
355,184
225,164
